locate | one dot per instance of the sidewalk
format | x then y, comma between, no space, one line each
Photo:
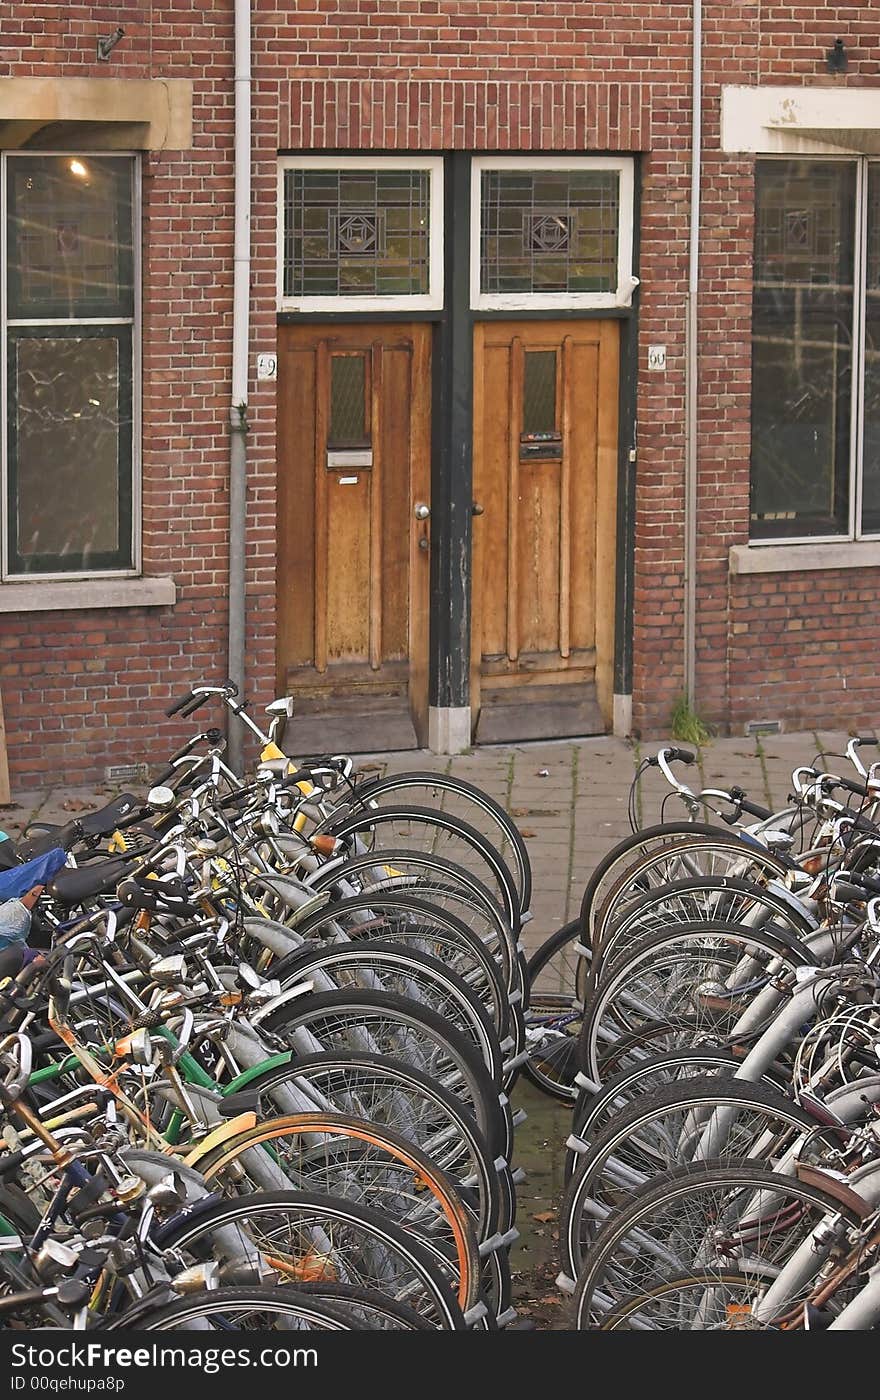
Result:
569,798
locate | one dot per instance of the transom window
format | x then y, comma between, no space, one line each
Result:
360,233
69,311
551,233
815,460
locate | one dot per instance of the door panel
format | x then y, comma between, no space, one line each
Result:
545,452
352,579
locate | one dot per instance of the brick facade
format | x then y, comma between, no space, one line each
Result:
84,690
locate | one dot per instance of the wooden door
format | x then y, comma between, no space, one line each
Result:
545,481
353,551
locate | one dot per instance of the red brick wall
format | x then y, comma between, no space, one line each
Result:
84,691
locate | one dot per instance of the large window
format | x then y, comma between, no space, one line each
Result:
69,312
815,463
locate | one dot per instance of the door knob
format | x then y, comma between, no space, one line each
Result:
476,508
421,511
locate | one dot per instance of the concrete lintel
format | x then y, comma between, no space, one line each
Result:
78,594
803,120
159,108
449,728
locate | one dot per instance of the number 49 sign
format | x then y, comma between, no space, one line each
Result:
267,366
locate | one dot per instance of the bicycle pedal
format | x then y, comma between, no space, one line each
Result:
519,1117
518,1176
511,1320
576,1144
566,1284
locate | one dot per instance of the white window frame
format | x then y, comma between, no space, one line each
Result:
557,301
136,375
854,533
432,300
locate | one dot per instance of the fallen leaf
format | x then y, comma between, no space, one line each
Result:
551,1298
544,1216
519,811
73,804
526,834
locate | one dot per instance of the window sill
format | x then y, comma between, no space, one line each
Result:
87,593
791,558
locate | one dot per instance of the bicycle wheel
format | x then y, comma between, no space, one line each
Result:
553,1020
448,794
246,1310
439,882
380,965
352,1159
594,1110
304,1237
438,833
707,899
385,1024
391,1094
720,1119
713,1302
379,1313
688,855
706,974
418,924
613,866
707,1219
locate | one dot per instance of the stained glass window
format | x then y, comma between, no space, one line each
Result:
356,232
545,231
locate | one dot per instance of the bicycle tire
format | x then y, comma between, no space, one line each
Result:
624,1248
256,1305
618,989
368,1087
686,848
404,971
359,1229
427,1178
336,1021
612,865
438,881
692,901
499,827
416,922
490,868
631,1142
555,1008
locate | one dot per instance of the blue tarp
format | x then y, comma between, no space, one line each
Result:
22,878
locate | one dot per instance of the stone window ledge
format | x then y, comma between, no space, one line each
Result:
795,558
77,594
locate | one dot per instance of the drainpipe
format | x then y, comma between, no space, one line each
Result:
240,331
690,380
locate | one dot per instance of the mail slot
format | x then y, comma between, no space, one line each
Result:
341,460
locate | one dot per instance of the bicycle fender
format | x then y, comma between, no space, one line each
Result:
229,1129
